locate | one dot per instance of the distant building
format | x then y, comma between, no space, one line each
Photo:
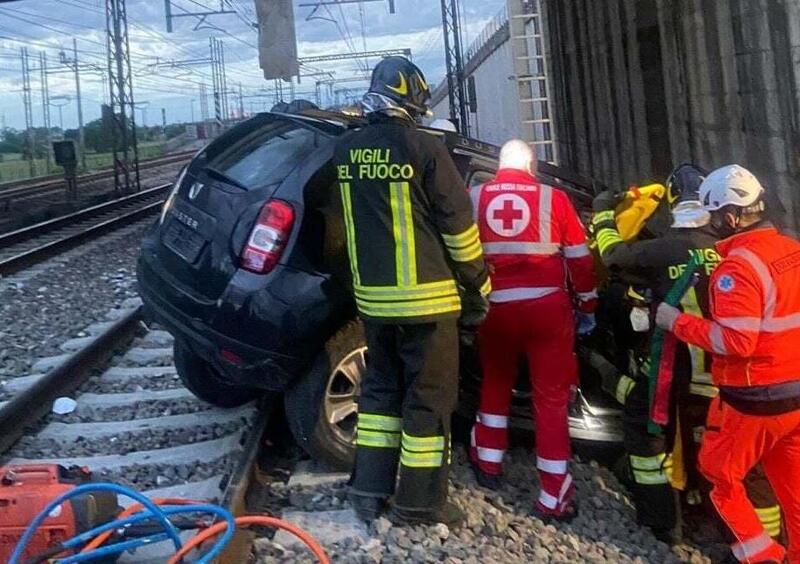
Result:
507,81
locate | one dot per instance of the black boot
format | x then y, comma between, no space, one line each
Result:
449,514
488,481
367,507
664,535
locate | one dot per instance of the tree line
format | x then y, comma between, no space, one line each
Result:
97,137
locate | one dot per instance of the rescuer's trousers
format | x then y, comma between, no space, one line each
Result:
734,442
541,330
652,465
407,399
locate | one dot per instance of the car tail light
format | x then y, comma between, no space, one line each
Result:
231,357
268,238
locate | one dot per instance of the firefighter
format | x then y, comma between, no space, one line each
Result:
754,336
651,268
536,247
413,246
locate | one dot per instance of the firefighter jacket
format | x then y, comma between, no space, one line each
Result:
408,218
656,264
754,332
533,240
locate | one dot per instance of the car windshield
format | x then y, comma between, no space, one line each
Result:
265,155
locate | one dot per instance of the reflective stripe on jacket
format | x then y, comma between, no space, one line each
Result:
533,239
755,307
656,264
411,239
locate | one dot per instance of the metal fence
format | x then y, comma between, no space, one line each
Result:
495,24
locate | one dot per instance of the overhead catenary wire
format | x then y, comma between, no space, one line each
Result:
136,55
147,42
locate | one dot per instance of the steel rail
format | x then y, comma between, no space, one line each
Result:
42,252
243,477
26,189
27,407
44,227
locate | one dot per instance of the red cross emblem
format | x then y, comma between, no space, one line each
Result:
508,215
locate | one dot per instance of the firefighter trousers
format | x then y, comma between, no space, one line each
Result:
542,331
651,464
407,399
734,442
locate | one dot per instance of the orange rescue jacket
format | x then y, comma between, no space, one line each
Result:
755,307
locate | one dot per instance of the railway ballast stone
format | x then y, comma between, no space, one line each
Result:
56,300
499,526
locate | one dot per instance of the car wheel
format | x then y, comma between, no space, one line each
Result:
205,382
322,406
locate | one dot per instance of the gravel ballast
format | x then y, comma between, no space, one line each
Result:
499,527
38,313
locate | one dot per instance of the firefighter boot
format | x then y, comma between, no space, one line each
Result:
449,514
367,507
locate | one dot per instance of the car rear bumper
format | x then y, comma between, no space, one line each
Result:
260,368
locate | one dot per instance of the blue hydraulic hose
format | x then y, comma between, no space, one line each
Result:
86,536
155,511
115,548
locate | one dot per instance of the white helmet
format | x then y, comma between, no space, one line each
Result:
518,155
444,125
730,185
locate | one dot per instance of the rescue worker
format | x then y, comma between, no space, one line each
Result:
536,247
659,461
651,267
413,246
754,335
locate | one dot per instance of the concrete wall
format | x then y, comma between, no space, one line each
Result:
643,85
497,118
440,105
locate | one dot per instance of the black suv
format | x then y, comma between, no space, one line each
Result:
247,268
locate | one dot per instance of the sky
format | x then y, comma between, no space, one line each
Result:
49,26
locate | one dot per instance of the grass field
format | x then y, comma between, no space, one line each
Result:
19,169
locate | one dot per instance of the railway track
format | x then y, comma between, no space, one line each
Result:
34,188
28,246
134,422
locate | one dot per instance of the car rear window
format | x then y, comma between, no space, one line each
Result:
267,154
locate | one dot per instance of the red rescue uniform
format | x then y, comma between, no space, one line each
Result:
536,247
755,337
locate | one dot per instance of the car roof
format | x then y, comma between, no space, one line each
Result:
480,152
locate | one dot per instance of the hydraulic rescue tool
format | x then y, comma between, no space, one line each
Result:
27,489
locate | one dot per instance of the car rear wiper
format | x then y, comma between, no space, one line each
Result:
219,175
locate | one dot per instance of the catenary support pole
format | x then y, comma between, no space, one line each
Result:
81,137
45,107
28,103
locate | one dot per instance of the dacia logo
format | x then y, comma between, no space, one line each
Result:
195,190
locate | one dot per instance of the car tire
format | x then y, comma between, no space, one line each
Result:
205,382
321,406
